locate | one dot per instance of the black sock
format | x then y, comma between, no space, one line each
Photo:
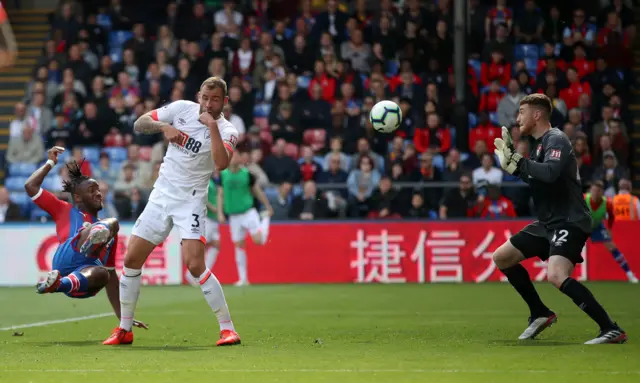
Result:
521,281
582,297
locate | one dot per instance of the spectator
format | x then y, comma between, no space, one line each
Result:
40,113
497,69
105,171
361,183
326,83
490,99
453,168
127,181
494,205
571,94
579,30
42,76
166,42
27,148
310,205
356,51
280,167
335,151
417,210
253,165
77,155
227,20
530,24
434,136
108,208
60,134
364,149
498,15
384,201
510,104
487,172
485,131
130,205
20,120
309,168
281,202
336,197
553,26
9,211
459,203
141,169
611,172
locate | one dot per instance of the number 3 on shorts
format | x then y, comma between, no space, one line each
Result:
196,222
560,237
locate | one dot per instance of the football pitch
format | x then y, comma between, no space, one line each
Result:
319,333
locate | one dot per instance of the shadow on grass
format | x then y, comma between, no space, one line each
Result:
531,343
91,343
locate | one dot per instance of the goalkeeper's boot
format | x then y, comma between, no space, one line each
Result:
614,335
538,325
50,284
99,234
119,336
228,338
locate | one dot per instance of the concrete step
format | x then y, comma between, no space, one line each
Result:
28,19
15,93
30,36
30,44
5,118
7,104
17,70
6,78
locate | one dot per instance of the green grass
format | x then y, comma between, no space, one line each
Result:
337,333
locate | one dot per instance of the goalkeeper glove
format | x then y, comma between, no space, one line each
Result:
505,151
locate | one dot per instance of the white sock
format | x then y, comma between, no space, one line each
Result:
211,257
241,263
215,298
129,292
264,227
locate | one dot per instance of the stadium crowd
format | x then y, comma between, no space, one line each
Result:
302,78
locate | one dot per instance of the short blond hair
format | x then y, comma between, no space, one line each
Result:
213,83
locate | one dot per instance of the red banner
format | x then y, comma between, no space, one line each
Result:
402,252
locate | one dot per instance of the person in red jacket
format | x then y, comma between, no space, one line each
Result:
583,65
497,69
327,82
490,99
484,131
550,53
432,136
571,95
494,205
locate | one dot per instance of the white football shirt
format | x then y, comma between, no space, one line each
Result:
188,165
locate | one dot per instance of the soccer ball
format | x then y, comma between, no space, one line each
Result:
385,116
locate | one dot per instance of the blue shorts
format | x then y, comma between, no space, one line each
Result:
68,259
600,234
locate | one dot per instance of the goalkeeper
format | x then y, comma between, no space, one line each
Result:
563,225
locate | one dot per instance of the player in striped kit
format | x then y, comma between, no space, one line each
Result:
601,208
84,261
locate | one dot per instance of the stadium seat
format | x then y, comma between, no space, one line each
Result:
531,64
116,154
485,89
303,81
115,54
118,38
22,169
15,183
262,123
91,154
104,21
392,68
476,65
145,153
292,150
316,138
23,200
438,162
271,192
49,183
261,110
296,190
524,51
38,214
493,117
473,120
266,136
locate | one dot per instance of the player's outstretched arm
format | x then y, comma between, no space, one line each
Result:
34,183
556,157
146,124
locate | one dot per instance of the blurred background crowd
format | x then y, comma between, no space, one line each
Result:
303,75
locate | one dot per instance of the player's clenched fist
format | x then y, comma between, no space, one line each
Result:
207,119
52,154
171,134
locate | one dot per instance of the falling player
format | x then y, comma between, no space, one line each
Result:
199,138
236,190
601,208
84,262
563,224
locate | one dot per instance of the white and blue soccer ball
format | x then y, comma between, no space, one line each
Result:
385,116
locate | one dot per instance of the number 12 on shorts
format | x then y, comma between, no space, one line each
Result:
560,237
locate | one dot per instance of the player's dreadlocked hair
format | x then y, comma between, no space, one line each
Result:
75,177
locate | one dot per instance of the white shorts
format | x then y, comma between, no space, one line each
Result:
241,224
212,232
163,212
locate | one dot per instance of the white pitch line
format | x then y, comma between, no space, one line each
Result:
349,371
46,323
